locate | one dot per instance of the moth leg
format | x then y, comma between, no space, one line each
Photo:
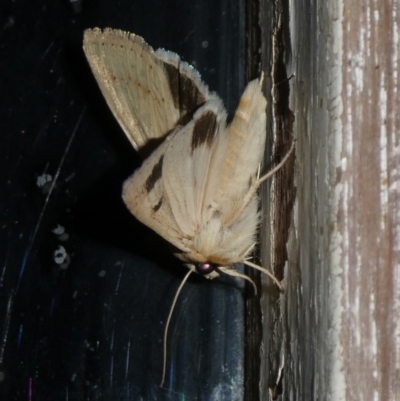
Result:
265,271
255,185
245,255
249,249
277,167
258,172
234,273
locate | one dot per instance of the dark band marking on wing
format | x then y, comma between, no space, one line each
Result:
190,96
156,208
155,175
216,214
186,95
172,73
204,130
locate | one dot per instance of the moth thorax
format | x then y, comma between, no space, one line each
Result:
205,268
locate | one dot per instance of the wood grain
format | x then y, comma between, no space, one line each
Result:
340,314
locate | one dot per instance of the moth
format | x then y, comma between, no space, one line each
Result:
198,185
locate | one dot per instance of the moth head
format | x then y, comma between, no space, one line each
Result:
206,269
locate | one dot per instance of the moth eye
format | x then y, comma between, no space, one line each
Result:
205,268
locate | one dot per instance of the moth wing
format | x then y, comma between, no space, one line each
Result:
241,149
230,205
188,165
209,173
148,92
167,192
144,195
190,187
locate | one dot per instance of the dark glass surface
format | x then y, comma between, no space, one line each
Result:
91,327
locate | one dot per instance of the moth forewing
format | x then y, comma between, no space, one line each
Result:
144,195
187,162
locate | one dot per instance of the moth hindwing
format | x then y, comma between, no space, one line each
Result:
149,92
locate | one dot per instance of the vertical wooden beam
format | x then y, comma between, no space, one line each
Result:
340,314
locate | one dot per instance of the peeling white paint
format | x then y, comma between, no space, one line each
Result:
352,267
374,341
383,193
359,77
337,390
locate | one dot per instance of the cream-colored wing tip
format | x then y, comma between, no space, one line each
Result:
90,34
96,34
114,36
253,97
257,81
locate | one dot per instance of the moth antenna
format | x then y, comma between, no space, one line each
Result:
167,325
277,167
250,248
265,271
234,273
